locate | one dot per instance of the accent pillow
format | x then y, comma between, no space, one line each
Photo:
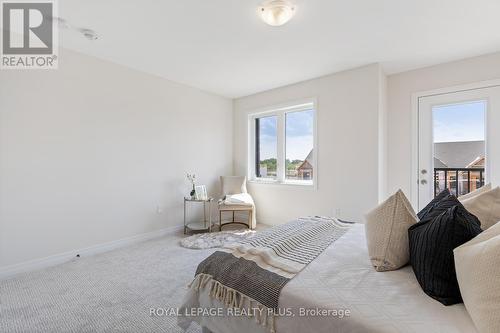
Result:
233,184
478,271
422,214
431,248
486,206
387,232
474,193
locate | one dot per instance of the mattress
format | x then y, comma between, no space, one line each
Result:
360,299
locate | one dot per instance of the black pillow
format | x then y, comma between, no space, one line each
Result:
431,248
423,213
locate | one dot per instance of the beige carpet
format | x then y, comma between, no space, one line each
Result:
110,292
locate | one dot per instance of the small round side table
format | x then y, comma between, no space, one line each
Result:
206,224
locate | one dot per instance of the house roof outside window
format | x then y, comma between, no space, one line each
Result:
465,154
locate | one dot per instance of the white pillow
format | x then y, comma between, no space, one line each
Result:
233,184
486,206
387,233
477,264
474,193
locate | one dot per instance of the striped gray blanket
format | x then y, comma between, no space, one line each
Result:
251,275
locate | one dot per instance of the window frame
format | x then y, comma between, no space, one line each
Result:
280,112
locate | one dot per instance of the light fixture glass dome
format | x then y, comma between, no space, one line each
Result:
277,12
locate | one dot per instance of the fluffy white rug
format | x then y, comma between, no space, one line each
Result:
216,239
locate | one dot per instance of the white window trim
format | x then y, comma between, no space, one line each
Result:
280,111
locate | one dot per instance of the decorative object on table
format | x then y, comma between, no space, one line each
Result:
192,180
202,226
236,199
216,239
201,192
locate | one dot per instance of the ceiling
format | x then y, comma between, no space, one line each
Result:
221,46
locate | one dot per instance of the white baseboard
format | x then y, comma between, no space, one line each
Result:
36,264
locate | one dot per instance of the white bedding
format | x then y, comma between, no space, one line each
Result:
341,278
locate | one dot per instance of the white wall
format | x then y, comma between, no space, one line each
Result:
89,151
400,89
348,106
382,137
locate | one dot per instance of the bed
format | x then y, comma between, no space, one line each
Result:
341,279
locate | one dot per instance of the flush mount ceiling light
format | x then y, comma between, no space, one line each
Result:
277,12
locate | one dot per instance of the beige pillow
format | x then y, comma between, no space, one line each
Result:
477,264
474,193
387,233
233,184
486,206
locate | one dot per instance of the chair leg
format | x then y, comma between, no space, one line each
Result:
233,215
220,220
250,219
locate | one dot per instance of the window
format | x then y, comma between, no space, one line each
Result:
459,132
282,145
266,143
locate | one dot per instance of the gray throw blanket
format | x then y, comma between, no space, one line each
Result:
253,273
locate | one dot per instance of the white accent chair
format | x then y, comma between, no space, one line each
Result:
236,199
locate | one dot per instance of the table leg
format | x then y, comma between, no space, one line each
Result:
184,217
204,214
250,217
209,216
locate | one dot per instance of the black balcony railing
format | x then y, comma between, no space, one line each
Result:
459,181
